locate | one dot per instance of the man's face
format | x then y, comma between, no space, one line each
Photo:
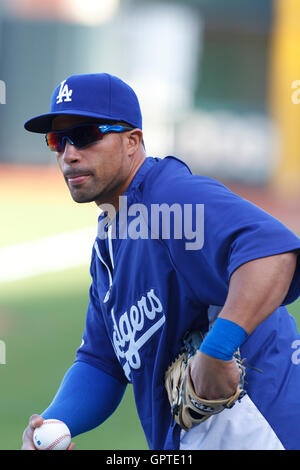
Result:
97,172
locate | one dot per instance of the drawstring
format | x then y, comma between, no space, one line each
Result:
243,361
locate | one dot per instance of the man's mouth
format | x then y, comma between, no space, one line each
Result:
75,179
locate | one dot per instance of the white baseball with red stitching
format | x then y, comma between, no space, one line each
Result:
52,435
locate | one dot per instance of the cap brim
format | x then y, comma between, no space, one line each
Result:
43,123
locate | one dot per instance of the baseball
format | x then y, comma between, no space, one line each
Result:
52,435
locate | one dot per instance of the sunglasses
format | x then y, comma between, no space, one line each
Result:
81,136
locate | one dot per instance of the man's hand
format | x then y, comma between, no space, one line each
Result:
34,422
214,378
199,386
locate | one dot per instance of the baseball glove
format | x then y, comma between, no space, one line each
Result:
186,407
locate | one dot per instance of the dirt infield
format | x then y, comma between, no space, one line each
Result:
27,181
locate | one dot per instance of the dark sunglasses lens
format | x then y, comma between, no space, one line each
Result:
85,135
81,136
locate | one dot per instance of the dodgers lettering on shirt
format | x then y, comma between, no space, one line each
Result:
125,341
146,293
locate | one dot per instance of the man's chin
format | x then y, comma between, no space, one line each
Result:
82,198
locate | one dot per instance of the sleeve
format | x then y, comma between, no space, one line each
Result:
85,399
235,231
96,348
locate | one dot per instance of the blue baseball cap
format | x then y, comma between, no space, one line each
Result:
98,95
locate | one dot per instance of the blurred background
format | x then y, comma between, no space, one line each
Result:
219,87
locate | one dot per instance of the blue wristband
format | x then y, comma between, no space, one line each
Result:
224,338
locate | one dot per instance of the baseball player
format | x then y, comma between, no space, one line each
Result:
218,266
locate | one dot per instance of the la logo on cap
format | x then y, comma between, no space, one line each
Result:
64,93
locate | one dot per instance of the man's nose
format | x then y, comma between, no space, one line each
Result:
70,154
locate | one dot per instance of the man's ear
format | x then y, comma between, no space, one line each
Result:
134,140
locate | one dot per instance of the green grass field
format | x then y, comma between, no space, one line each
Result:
42,320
